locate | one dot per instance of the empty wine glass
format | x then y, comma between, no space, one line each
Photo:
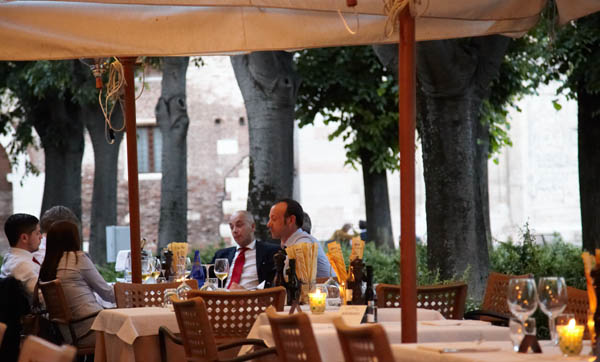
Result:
552,296
522,297
221,269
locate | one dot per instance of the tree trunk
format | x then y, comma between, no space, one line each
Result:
269,86
104,195
377,203
589,168
62,139
454,76
172,118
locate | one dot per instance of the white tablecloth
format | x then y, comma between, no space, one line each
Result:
130,335
414,353
431,327
131,323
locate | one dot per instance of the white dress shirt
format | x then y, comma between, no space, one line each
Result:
19,264
301,236
249,278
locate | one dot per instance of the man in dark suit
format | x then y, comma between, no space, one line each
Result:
251,261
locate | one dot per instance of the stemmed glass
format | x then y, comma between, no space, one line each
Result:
552,296
221,269
522,297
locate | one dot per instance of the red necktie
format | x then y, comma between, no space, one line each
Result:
36,261
236,275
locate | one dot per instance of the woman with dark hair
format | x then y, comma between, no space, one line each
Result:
79,278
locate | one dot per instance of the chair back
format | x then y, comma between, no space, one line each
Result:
365,343
232,314
2,330
388,295
196,332
129,295
448,299
496,292
56,303
578,304
294,337
36,349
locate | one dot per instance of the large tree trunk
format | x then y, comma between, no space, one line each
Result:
589,166
172,118
377,203
269,86
104,195
454,76
62,139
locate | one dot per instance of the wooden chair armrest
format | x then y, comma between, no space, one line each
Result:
495,318
242,342
253,355
163,333
85,317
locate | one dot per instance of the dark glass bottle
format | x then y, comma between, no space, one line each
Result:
279,262
370,298
293,284
197,269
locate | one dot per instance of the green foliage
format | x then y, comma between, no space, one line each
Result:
108,272
26,87
556,258
349,87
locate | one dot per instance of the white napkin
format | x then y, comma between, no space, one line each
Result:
454,322
121,262
458,348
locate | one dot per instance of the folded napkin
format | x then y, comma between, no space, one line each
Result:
459,348
454,322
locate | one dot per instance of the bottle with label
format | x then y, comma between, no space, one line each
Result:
370,298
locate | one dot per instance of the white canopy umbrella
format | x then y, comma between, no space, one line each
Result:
48,29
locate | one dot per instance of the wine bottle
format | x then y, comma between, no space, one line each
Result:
370,298
197,269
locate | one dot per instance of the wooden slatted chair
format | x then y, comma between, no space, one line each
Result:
233,313
494,307
197,336
129,295
2,330
448,299
60,314
388,295
365,343
578,304
36,349
294,337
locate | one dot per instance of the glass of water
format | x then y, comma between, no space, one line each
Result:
518,330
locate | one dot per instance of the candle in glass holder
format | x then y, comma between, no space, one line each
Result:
570,338
317,301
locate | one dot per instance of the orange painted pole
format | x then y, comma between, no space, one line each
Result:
406,139
132,170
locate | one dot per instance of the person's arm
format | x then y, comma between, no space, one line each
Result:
26,275
93,278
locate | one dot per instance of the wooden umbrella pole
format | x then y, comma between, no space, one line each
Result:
132,169
406,139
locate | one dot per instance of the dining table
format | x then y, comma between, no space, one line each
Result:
487,351
131,334
438,330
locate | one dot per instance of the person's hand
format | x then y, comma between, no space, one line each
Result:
236,286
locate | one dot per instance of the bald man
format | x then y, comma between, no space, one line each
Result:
251,261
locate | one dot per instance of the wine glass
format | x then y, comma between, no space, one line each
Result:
221,269
522,297
552,296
